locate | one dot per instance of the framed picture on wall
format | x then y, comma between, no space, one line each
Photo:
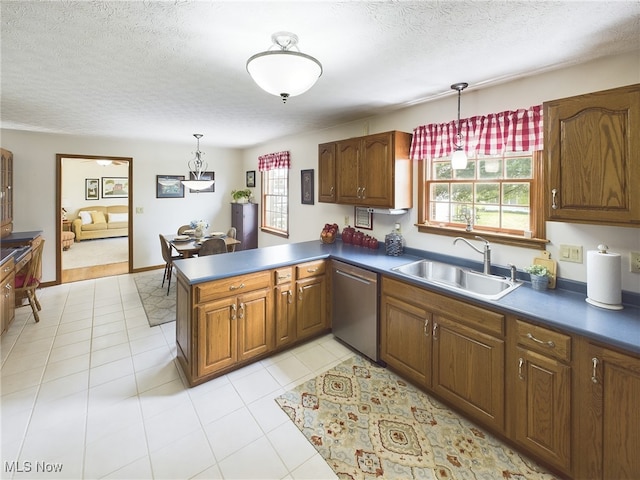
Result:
203,176
91,187
169,186
306,182
251,178
115,187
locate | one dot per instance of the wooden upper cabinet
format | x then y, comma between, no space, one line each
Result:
592,151
327,172
372,171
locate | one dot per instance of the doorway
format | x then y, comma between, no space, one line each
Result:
96,185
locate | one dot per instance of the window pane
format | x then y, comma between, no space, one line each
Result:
488,216
276,199
519,167
494,164
515,218
440,191
488,193
442,170
462,192
515,193
440,212
469,172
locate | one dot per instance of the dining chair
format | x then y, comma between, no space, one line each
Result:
183,228
232,233
212,246
29,282
168,260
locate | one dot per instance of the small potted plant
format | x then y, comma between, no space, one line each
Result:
539,276
241,196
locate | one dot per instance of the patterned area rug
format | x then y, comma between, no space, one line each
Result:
368,423
159,307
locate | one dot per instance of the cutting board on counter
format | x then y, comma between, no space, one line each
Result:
544,259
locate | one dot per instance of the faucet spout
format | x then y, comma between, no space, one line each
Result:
486,252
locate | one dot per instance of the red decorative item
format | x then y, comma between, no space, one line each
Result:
329,233
357,238
347,234
373,243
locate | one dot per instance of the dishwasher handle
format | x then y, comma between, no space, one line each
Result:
354,277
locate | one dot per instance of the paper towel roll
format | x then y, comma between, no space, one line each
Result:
604,279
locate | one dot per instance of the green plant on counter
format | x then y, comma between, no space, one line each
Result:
538,270
238,194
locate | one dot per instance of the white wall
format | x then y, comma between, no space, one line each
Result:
307,221
35,187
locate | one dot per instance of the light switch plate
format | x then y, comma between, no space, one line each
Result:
571,253
634,261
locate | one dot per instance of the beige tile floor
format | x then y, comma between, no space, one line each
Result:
93,392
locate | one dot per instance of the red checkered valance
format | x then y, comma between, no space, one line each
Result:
493,134
271,161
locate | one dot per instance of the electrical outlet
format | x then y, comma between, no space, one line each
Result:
139,210
571,253
634,262
346,219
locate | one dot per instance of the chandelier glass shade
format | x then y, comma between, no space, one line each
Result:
198,167
281,71
459,157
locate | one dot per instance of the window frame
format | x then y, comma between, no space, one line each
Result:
265,194
537,219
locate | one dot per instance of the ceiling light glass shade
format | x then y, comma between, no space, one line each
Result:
198,167
459,159
104,163
284,73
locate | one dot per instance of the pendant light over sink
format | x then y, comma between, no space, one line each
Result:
281,71
198,167
459,158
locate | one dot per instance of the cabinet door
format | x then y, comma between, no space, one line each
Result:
347,177
7,302
468,370
255,324
311,306
216,335
592,150
543,407
285,314
405,339
327,172
610,421
376,171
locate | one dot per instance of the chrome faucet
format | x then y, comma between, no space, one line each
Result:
486,253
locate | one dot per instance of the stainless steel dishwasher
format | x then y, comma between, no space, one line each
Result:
355,308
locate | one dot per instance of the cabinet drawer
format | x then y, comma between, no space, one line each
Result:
231,286
7,268
283,275
543,340
310,269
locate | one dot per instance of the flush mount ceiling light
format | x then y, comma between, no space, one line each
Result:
459,158
281,71
198,167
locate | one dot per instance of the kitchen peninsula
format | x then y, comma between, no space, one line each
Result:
543,348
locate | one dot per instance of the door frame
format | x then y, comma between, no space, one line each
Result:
59,157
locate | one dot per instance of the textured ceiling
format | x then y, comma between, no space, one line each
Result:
166,70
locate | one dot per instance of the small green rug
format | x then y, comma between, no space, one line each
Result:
159,307
368,423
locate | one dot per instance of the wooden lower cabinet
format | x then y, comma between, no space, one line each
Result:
609,424
311,301
7,295
217,335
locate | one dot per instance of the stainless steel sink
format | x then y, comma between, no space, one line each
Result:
476,284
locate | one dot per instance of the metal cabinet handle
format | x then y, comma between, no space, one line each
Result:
241,314
331,190
549,343
7,287
233,287
435,331
234,309
358,192
7,269
363,195
520,365
289,297
300,293
282,277
312,270
594,372
426,327
554,205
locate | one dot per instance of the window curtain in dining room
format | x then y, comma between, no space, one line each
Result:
271,161
494,134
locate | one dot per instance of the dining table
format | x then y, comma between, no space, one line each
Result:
188,247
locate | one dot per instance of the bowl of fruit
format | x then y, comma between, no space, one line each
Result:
329,233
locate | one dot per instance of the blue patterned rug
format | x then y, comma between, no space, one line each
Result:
159,307
368,423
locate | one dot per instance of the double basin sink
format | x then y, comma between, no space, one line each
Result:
468,282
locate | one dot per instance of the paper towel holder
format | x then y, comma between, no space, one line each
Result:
603,250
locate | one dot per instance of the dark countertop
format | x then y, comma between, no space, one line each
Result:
561,308
20,237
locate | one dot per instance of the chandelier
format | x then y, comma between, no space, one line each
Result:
459,158
197,168
281,71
